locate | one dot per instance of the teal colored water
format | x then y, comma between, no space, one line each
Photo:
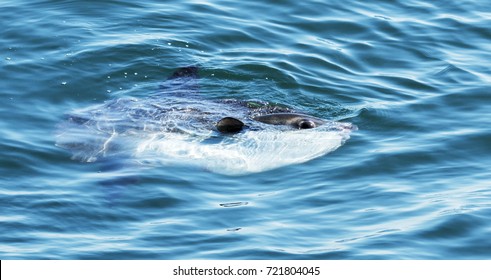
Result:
413,182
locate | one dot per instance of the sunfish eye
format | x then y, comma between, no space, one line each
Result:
306,124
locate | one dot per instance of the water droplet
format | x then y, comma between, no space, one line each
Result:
136,74
8,58
169,44
108,91
109,77
63,83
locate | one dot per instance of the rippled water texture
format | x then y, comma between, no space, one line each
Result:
412,183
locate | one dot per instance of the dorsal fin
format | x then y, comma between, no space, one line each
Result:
184,81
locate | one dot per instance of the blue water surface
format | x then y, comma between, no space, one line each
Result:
413,182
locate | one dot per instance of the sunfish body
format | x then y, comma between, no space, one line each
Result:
178,127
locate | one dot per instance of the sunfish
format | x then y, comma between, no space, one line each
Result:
178,126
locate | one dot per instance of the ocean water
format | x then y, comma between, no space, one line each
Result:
413,182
